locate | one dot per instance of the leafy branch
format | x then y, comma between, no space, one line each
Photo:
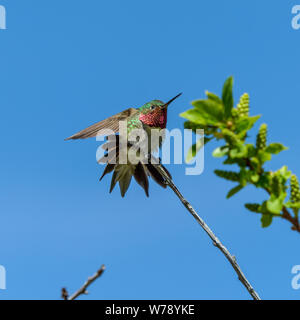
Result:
222,121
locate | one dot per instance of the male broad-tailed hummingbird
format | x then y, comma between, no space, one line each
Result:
152,115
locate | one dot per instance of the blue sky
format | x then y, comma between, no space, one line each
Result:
67,64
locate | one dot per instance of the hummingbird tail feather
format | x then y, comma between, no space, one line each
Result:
141,177
113,181
108,169
123,173
124,182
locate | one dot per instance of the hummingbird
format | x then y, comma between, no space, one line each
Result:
151,115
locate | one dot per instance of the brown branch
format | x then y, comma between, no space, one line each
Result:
214,239
64,294
287,216
82,290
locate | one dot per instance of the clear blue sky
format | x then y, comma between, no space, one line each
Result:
66,64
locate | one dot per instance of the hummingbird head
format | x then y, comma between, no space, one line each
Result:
154,113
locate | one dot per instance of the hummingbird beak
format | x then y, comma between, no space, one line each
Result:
166,104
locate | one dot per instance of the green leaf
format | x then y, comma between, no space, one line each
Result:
264,181
193,126
227,96
275,204
210,110
245,124
194,149
275,148
234,190
254,177
195,116
284,172
213,97
229,161
253,207
228,175
240,151
290,204
266,220
264,156
251,151
220,152
207,139
245,176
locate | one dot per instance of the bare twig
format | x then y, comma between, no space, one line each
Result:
214,239
83,290
64,294
294,220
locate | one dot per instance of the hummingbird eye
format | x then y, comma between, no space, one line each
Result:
152,107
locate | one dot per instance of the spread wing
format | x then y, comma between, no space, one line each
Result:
111,123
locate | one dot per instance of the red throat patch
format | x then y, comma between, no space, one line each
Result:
157,118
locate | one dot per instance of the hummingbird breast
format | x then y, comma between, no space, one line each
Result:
154,121
155,137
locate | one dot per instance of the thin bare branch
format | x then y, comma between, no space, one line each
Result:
83,290
64,294
214,239
294,220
